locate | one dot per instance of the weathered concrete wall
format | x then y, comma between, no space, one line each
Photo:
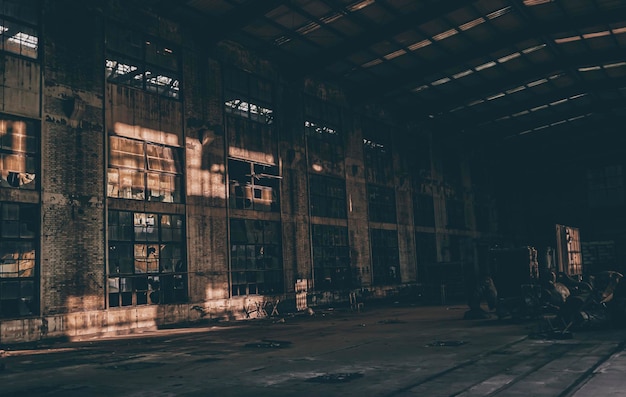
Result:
72,230
78,112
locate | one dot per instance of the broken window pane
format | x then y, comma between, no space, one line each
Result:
381,203
128,176
18,259
327,196
256,257
143,62
153,246
331,258
253,186
385,257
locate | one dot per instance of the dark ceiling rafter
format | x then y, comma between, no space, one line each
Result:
559,65
517,125
495,113
411,78
375,35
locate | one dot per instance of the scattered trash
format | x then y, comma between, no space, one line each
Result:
446,343
341,377
269,344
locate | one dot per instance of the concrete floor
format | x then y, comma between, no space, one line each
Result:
395,350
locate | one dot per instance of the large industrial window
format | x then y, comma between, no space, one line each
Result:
256,257
143,62
331,258
322,131
605,186
382,203
146,263
18,241
253,186
385,257
423,210
327,196
249,118
18,153
377,153
18,27
455,211
144,171
426,248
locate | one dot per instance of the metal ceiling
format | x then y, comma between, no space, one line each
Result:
489,68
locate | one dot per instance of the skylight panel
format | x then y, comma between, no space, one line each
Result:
463,74
420,44
395,54
536,83
614,65
509,57
420,88
359,5
596,34
538,108
532,3
589,68
516,89
485,66
499,13
445,35
496,96
534,48
472,24
440,81
372,63
25,40
567,39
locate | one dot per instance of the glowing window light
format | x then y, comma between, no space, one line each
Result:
25,40
320,129
3,29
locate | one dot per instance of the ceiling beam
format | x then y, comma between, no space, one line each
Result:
417,76
374,35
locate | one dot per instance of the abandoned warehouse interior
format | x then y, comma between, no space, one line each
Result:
168,161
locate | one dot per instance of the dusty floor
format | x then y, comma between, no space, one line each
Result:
395,350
